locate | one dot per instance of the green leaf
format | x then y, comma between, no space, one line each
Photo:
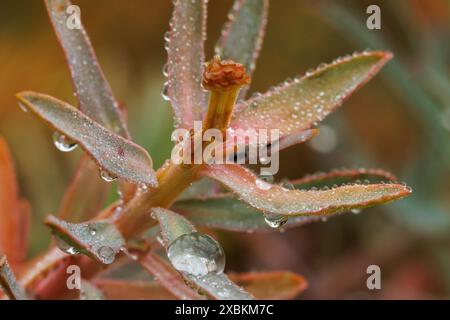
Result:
92,90
114,154
299,104
243,34
8,282
185,50
278,200
218,286
99,240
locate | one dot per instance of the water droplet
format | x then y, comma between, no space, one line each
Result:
106,254
106,176
165,91
63,143
356,211
275,220
65,247
196,254
165,70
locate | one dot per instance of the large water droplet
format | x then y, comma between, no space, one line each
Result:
63,143
106,176
356,211
106,254
275,220
263,185
196,254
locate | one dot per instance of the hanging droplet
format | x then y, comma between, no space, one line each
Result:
106,254
65,247
356,211
106,176
63,143
165,91
196,254
275,220
165,70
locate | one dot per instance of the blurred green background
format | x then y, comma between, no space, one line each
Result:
400,122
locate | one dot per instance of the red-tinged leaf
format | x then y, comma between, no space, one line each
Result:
225,211
299,104
8,282
14,213
90,291
166,275
243,34
114,154
185,61
278,200
271,285
99,240
216,285
85,195
132,290
92,90
342,176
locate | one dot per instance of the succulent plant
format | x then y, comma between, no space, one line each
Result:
154,224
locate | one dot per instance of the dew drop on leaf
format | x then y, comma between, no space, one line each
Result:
106,176
165,92
275,220
106,254
196,254
65,247
356,211
63,143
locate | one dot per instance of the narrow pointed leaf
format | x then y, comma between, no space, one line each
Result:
8,282
185,61
92,90
276,199
225,211
132,290
14,212
243,34
99,240
301,103
166,275
116,155
85,195
271,285
218,286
